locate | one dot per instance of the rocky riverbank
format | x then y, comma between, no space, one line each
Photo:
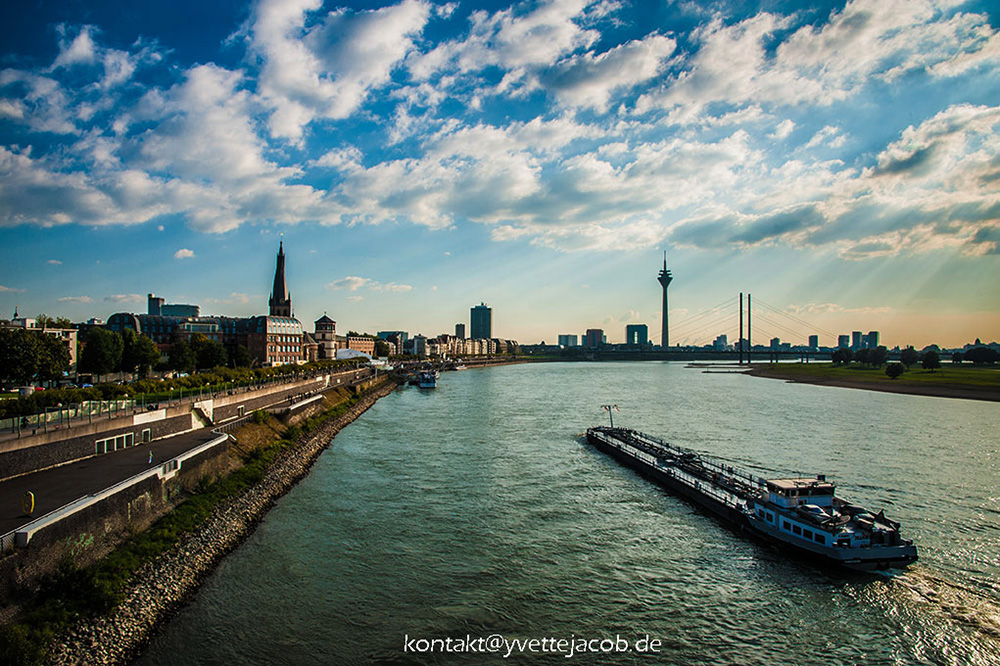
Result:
164,585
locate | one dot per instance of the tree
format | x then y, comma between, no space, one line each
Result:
140,353
932,360
182,357
208,353
18,355
382,348
957,358
878,356
842,356
53,357
894,370
981,356
102,353
45,321
861,356
909,356
239,357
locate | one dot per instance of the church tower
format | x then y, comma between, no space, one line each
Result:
280,301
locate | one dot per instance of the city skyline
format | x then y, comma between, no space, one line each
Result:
837,161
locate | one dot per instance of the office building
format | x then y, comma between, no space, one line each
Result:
481,322
813,342
569,341
637,334
594,337
460,331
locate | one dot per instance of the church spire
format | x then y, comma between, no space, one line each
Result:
281,301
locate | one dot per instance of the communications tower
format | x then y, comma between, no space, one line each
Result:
664,279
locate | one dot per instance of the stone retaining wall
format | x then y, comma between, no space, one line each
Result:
164,585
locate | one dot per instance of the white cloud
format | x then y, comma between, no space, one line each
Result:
328,69
125,298
783,129
235,298
351,283
54,262
79,50
589,80
10,289
866,40
183,253
354,283
75,299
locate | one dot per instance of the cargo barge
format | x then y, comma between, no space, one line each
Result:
802,514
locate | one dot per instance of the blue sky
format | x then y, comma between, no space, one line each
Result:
841,161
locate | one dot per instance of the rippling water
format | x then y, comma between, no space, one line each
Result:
477,509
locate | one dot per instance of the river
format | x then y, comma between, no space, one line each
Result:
445,522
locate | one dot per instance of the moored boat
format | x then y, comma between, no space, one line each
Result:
803,514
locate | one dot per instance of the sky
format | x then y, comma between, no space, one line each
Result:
839,161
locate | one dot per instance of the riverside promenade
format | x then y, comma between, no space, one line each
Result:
58,486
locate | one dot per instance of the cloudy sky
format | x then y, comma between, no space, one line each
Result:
841,161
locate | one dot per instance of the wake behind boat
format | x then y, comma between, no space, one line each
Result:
803,514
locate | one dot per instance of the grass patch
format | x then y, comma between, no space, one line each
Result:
73,593
957,376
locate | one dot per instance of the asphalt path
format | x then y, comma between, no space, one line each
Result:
61,485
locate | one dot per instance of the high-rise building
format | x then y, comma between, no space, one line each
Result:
481,322
813,342
594,337
569,341
871,340
843,341
281,301
775,343
460,331
636,334
856,340
664,278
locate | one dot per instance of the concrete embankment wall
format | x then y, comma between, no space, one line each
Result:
58,447
90,527
162,586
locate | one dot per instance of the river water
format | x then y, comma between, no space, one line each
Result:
477,511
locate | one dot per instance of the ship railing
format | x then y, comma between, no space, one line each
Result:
707,462
693,481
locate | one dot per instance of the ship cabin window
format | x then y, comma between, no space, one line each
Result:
770,516
807,534
819,538
786,525
795,529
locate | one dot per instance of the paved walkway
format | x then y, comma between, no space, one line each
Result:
59,486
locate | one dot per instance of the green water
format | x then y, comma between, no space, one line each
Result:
476,510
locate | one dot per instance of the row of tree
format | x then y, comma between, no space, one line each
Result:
105,351
108,351
929,359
